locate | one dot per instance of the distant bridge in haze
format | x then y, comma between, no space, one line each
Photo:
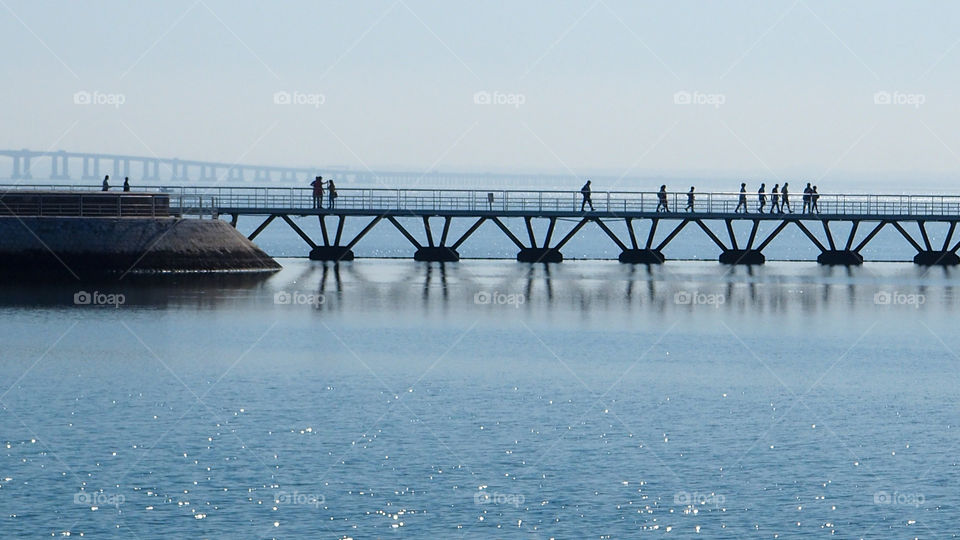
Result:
64,166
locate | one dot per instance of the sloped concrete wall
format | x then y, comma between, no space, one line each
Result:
90,247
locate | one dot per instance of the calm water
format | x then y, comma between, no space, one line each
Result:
485,399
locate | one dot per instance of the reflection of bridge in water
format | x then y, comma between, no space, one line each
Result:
65,166
741,289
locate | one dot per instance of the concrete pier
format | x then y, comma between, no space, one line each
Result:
937,258
538,255
840,257
331,253
96,247
642,256
436,254
742,256
93,235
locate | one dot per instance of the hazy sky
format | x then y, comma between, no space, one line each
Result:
777,89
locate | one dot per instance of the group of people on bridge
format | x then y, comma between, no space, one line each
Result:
779,199
318,187
106,183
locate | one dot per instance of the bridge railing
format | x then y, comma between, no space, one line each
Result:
507,201
204,201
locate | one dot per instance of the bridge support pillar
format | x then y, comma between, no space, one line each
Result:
937,258
840,257
642,256
178,171
331,253
742,256
151,169
59,166
88,172
540,254
21,166
436,254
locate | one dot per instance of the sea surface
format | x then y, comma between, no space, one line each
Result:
485,399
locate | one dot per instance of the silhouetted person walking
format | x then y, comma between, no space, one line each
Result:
785,198
126,183
742,202
814,199
690,200
106,184
333,193
807,192
585,191
775,199
317,192
662,199
762,197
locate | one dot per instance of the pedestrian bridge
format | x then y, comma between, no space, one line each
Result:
615,213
